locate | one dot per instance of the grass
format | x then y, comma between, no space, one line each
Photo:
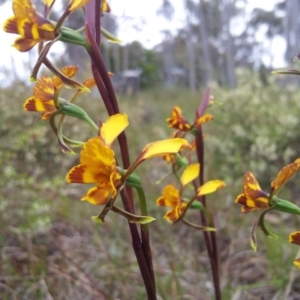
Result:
50,248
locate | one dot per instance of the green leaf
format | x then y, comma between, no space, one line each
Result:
140,219
253,242
110,37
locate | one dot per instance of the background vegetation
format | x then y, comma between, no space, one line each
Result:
51,249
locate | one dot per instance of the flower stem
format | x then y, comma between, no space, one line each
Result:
209,237
141,248
145,234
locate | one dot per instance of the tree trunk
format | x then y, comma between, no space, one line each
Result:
116,59
227,41
106,56
191,59
168,59
208,66
125,57
292,29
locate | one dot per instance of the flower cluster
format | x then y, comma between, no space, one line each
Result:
32,27
173,197
35,29
98,163
178,121
112,176
254,198
47,101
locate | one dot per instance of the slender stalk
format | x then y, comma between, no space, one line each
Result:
141,247
145,233
209,237
139,251
102,90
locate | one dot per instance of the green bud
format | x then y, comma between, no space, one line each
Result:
285,206
134,181
196,205
193,204
73,110
182,161
194,131
71,36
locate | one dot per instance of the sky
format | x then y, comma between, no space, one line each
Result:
144,15
151,30
142,24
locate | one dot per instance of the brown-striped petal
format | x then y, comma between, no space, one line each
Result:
295,238
284,175
24,44
98,195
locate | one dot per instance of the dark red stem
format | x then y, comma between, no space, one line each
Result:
209,237
141,244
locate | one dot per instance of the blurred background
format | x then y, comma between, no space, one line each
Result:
170,52
187,43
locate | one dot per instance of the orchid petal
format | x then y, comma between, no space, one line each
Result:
284,175
295,238
210,187
190,173
170,197
114,125
164,147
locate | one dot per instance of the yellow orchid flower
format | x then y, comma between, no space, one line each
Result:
45,91
31,27
98,163
172,197
295,239
178,121
253,197
34,28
